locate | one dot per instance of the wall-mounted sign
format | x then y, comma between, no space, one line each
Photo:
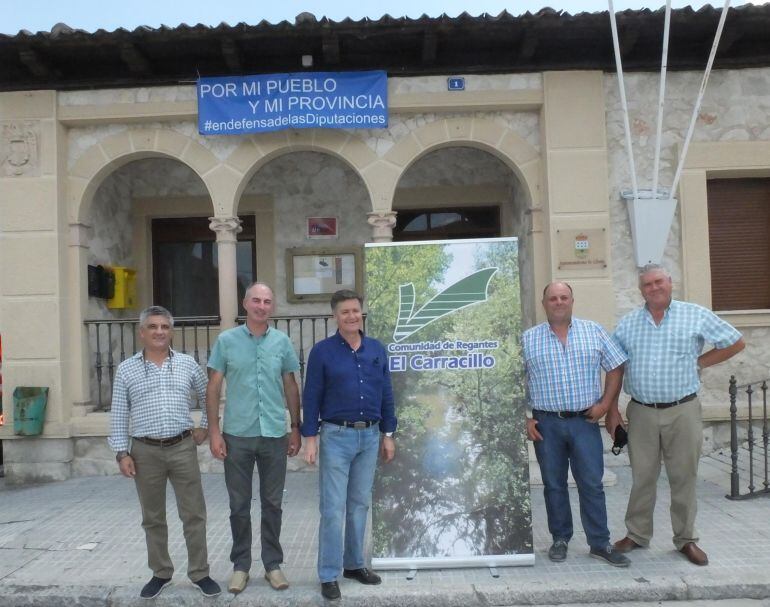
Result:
455,84
234,105
321,227
313,274
581,249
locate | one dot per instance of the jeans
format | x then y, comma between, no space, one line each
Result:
155,467
347,461
577,443
270,457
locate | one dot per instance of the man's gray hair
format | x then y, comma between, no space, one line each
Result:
155,311
652,267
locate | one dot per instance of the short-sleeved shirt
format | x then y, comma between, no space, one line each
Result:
567,377
663,359
254,367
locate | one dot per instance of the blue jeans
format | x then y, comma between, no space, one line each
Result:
347,461
269,454
577,443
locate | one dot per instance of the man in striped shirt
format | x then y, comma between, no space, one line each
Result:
152,397
664,341
564,358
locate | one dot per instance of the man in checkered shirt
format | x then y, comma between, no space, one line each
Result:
664,341
151,401
564,358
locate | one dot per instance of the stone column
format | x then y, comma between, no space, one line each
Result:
226,229
79,237
382,223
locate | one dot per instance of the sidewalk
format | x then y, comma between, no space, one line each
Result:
79,542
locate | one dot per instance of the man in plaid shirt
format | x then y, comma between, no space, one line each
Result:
152,396
664,341
564,358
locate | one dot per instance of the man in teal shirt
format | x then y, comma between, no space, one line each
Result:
259,363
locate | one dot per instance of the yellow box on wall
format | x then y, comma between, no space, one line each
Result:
125,288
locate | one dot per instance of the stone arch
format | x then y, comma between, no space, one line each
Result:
119,149
255,152
481,133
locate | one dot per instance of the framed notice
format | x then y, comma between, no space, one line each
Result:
313,274
321,227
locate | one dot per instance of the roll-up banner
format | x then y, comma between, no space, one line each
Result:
457,493
234,105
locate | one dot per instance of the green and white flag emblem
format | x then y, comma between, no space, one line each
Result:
465,292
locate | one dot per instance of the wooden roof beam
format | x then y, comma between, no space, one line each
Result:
33,62
331,49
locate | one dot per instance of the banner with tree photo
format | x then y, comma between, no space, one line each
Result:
457,493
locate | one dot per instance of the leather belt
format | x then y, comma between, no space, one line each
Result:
673,403
562,414
163,442
357,425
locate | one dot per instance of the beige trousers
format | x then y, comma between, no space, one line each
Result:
155,466
674,435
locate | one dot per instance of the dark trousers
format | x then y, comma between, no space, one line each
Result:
270,456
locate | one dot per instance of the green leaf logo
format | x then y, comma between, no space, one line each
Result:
465,292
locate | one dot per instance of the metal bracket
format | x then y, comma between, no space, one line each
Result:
411,574
494,572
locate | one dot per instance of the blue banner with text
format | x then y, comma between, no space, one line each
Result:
233,105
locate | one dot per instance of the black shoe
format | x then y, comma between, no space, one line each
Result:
558,551
363,575
330,590
610,555
208,586
154,587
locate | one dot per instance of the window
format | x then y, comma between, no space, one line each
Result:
185,268
443,224
739,243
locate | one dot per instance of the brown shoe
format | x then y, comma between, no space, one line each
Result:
694,554
626,545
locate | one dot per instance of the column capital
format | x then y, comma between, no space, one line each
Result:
382,223
80,235
226,228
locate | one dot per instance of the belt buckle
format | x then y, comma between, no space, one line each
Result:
359,425
561,414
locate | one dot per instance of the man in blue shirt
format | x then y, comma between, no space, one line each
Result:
564,358
664,341
259,363
348,396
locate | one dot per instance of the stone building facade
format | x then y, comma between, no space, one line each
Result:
545,147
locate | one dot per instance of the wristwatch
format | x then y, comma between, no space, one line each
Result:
120,455
388,434
295,424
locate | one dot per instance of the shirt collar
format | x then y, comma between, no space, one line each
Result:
246,330
346,344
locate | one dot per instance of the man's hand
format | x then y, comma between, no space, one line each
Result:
311,449
127,467
613,420
387,449
532,432
199,435
597,411
295,442
217,445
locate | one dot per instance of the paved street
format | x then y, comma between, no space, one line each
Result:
80,542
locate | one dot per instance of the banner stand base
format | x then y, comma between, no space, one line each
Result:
453,562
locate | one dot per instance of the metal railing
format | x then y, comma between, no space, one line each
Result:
112,341
754,391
